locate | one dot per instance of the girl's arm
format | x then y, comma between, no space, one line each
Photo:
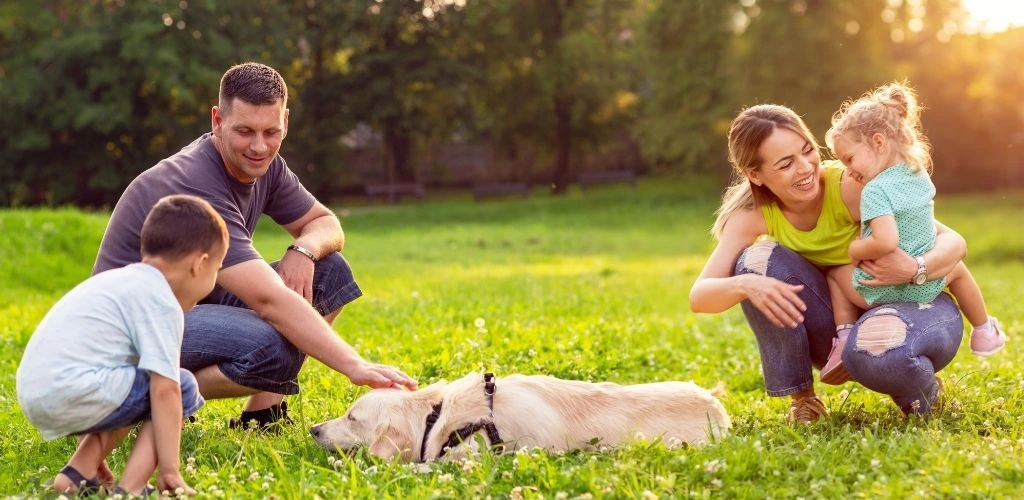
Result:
884,238
716,289
897,268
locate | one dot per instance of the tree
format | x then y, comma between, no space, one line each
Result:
95,92
554,75
686,97
396,70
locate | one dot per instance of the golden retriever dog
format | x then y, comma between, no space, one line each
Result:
522,411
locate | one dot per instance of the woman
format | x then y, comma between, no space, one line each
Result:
810,213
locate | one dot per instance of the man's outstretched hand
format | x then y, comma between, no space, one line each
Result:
379,376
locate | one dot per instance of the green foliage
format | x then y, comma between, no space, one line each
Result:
688,75
587,287
94,92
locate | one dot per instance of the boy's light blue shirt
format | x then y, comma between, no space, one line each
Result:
79,365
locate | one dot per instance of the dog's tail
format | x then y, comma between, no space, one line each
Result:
718,390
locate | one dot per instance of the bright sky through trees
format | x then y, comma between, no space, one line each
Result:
994,15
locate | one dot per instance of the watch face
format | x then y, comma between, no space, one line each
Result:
920,279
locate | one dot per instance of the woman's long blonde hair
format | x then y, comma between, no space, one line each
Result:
748,131
890,110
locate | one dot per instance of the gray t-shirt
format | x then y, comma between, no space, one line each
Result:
199,170
79,365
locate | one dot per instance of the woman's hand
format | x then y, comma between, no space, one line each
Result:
894,268
776,299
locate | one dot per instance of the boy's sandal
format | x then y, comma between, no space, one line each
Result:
147,491
82,485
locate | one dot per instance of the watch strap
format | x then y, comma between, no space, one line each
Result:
922,271
303,250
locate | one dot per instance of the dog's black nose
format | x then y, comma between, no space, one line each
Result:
315,431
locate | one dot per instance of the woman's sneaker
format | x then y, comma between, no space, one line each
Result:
987,339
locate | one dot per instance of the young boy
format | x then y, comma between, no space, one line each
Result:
105,357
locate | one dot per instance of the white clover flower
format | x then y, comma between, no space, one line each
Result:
561,495
479,322
468,465
585,496
254,476
714,466
445,478
506,474
647,495
875,463
516,493
716,483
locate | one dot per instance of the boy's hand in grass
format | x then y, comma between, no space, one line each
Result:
172,484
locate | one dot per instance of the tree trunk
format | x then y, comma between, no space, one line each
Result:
399,147
563,144
562,100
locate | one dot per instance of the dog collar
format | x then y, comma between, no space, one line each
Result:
464,432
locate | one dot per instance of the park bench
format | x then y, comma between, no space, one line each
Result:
586,179
392,192
481,191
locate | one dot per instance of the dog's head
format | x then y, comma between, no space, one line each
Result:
388,421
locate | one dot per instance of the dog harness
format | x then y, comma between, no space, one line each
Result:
460,435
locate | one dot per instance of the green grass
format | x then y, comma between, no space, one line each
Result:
587,286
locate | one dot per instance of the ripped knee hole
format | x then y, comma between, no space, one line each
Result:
757,256
881,332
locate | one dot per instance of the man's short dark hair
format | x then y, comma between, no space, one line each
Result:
254,83
179,225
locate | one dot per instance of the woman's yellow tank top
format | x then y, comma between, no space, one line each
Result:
828,243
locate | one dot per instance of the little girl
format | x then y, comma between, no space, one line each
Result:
878,137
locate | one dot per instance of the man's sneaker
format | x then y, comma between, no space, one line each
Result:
986,342
806,410
266,419
834,372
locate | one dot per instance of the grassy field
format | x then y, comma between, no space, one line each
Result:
590,286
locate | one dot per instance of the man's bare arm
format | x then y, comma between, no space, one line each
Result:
261,289
319,232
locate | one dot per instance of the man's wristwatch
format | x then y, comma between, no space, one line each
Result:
303,251
922,273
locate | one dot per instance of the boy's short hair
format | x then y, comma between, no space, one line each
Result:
254,83
181,224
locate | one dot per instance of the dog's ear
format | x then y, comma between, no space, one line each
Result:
390,442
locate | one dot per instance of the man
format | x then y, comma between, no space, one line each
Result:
249,336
